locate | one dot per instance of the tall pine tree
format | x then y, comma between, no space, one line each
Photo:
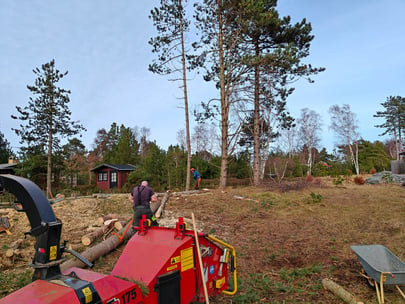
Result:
46,119
394,115
252,54
272,51
171,23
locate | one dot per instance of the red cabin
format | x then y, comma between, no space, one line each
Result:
110,176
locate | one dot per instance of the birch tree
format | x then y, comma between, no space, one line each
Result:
345,126
310,126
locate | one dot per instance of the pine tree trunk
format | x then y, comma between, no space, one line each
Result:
101,249
49,168
183,63
224,105
256,129
49,165
159,211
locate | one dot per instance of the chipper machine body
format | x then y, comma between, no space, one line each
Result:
157,266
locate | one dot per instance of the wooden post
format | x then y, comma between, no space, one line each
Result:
200,260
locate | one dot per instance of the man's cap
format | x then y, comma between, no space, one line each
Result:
192,169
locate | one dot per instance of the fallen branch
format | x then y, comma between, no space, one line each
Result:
192,193
245,198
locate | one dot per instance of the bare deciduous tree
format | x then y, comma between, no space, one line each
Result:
288,141
205,138
310,125
345,126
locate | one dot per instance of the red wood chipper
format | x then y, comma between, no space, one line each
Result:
157,266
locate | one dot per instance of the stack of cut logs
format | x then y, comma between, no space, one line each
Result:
108,224
13,253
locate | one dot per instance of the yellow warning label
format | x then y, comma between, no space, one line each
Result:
88,295
175,260
187,259
171,268
53,252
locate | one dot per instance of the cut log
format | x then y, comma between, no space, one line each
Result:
109,222
9,252
102,219
159,211
8,261
339,291
75,247
101,249
98,233
118,225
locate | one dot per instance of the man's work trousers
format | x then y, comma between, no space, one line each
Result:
141,210
197,183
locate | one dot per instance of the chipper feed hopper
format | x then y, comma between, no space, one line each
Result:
158,265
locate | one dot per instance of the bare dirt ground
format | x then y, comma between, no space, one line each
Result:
288,237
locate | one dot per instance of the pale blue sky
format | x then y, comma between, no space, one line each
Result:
103,45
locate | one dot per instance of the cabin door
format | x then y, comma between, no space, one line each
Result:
113,179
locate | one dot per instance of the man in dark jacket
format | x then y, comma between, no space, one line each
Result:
141,196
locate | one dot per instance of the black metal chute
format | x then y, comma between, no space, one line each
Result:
33,200
45,227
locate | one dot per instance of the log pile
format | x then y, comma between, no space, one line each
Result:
109,223
13,253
